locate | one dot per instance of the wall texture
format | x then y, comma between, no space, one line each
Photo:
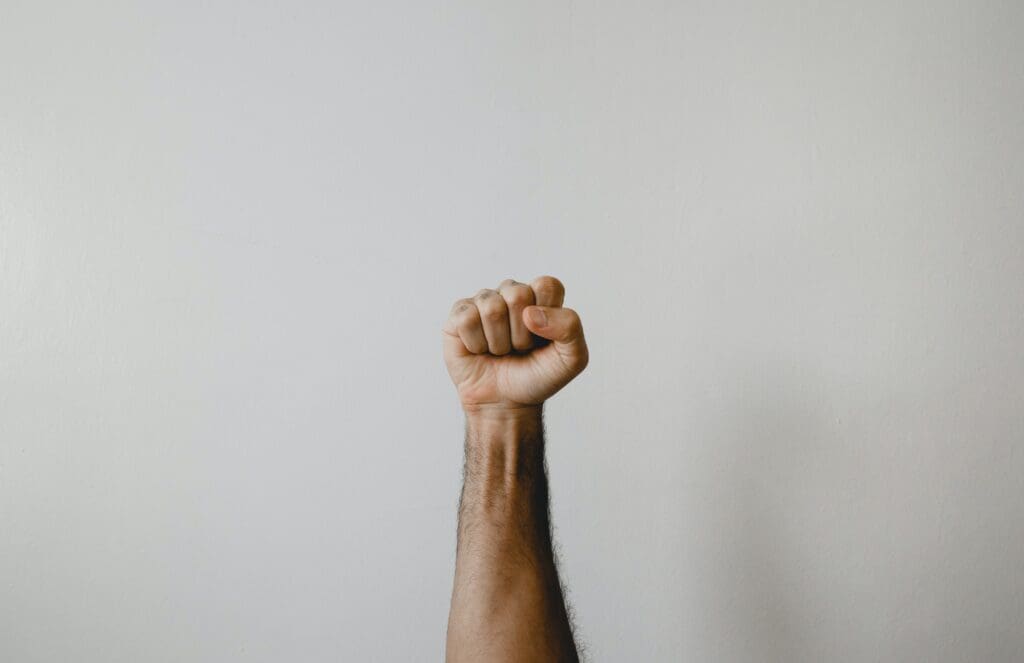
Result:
229,235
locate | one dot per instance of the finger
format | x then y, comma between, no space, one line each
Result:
452,342
563,327
464,325
547,291
494,315
517,297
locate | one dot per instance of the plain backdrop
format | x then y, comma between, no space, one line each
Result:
230,233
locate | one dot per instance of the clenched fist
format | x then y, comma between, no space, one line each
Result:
513,347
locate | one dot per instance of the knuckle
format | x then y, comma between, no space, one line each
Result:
574,320
518,295
465,312
493,313
491,306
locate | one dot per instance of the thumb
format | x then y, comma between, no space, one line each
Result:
561,325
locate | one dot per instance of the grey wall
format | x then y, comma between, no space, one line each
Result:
229,235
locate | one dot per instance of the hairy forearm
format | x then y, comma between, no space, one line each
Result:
507,604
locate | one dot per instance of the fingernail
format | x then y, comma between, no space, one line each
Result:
538,317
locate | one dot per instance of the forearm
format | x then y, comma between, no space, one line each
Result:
507,604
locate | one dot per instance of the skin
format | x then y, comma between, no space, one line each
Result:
507,601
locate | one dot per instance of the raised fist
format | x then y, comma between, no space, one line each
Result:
513,347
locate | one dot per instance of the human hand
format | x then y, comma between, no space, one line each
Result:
501,357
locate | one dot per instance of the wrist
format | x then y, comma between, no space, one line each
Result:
504,454
497,430
493,413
